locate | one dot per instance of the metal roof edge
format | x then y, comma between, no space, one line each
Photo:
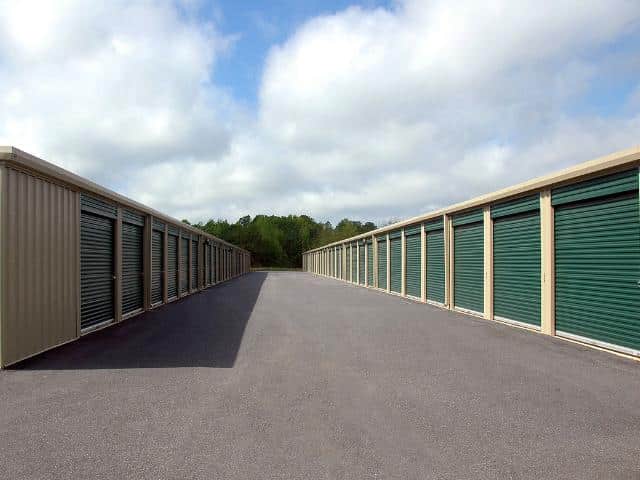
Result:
600,164
15,156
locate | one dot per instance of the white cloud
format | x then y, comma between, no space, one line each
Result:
103,86
365,113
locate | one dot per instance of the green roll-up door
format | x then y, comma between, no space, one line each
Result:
334,267
348,263
469,261
516,260
435,260
210,263
132,262
354,263
96,269
597,240
361,261
157,266
382,262
339,256
412,269
205,264
216,262
184,264
395,259
212,260
194,264
226,264
369,263
172,266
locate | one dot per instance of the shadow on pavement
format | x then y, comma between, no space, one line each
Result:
202,330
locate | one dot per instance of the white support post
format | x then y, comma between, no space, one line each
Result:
403,263
488,263
388,264
547,264
423,264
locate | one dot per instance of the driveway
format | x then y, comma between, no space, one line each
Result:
288,376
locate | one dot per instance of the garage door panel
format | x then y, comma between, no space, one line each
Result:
382,263
435,266
369,263
184,265
96,270
597,269
469,267
172,266
157,266
132,268
516,267
194,264
361,261
413,267
396,263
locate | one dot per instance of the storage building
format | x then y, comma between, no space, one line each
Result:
559,254
76,257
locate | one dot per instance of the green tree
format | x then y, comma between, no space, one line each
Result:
279,241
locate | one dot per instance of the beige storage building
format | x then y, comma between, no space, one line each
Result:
76,257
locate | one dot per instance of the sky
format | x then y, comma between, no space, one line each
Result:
371,110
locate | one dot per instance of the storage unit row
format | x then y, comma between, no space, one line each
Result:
76,257
559,254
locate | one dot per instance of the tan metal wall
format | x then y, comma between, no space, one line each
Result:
40,265
40,254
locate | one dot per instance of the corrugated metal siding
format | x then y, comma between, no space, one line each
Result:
158,225
41,250
516,267
369,263
354,263
466,218
331,263
348,269
413,268
382,262
194,264
598,187
96,269
157,267
210,264
513,207
598,268
172,266
361,263
435,224
215,263
205,263
98,206
133,218
184,264
132,268
469,267
435,265
396,263
412,230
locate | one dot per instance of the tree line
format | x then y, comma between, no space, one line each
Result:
279,241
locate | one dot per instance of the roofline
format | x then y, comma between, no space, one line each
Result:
22,160
611,162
